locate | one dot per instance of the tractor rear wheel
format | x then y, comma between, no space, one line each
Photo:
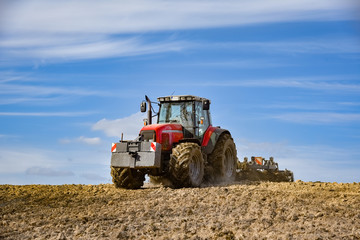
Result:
127,178
223,160
186,165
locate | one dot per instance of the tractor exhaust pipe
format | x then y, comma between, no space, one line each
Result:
149,110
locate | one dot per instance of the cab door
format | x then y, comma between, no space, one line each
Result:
202,121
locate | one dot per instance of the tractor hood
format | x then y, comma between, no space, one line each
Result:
163,126
166,134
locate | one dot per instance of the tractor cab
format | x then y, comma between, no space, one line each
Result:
189,111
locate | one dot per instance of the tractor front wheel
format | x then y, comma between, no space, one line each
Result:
127,178
186,165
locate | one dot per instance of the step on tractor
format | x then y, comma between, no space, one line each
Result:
183,147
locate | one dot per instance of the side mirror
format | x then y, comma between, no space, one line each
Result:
206,104
143,106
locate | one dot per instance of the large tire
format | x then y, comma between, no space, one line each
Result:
223,160
186,165
127,178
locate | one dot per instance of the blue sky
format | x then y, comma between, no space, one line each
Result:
283,77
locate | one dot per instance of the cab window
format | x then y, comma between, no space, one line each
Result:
176,112
201,119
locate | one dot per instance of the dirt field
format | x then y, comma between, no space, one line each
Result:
239,211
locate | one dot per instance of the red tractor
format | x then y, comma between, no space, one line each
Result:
182,146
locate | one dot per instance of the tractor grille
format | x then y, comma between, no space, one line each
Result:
148,135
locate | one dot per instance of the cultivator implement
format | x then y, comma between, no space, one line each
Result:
260,169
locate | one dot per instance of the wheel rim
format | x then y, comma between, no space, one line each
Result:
229,163
194,169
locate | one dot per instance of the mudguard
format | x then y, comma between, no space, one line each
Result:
211,137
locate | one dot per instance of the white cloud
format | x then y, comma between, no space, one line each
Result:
36,100
157,15
91,48
27,165
48,172
324,83
355,104
31,90
303,106
91,141
49,50
18,160
82,139
257,63
248,148
130,126
324,163
93,176
27,88
7,136
318,117
10,76
74,30
45,114
312,46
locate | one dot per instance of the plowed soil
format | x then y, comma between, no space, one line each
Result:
239,211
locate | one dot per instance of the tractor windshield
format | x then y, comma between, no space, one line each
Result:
176,112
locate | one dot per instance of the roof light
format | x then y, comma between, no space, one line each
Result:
175,98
